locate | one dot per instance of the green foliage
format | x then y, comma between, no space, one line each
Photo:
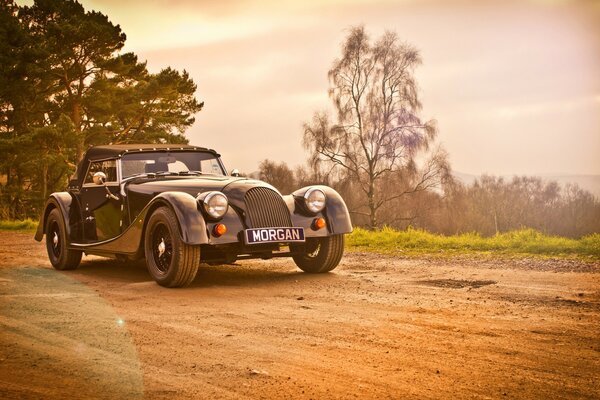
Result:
521,242
64,86
145,108
24,225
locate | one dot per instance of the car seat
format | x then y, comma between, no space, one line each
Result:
156,167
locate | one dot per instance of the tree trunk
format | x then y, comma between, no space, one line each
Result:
45,175
372,208
76,118
8,175
496,222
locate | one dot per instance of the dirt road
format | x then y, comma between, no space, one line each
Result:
377,327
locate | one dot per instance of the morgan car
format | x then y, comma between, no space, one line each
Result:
177,207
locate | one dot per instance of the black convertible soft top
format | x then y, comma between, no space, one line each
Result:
117,150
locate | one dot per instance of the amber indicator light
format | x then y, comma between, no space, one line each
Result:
319,223
219,230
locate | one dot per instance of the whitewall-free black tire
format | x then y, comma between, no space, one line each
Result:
170,261
321,254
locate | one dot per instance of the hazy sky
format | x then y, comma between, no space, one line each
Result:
514,86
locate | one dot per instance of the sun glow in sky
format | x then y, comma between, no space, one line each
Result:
514,86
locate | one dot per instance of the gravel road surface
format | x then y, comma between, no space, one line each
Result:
376,327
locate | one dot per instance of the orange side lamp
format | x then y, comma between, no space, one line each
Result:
219,230
319,223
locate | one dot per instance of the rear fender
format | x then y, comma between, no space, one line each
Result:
62,201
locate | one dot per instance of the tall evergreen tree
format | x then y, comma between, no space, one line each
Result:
65,85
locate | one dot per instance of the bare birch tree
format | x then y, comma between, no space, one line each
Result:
377,131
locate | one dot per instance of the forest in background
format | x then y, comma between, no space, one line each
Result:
65,85
488,206
377,151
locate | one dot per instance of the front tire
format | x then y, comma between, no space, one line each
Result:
321,254
61,257
171,262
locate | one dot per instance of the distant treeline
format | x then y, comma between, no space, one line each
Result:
378,152
489,205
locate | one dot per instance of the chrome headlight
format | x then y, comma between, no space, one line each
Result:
215,204
314,199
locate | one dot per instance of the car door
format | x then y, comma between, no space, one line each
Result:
101,204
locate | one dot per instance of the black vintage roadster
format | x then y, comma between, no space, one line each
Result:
176,206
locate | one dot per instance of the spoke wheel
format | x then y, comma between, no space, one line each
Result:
60,256
313,249
320,255
170,261
162,247
54,237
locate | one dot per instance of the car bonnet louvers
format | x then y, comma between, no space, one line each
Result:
265,208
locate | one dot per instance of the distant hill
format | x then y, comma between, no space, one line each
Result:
587,182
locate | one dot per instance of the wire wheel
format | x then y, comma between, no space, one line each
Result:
162,245
320,255
170,261
57,246
312,249
53,239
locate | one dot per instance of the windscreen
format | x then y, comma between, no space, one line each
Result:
180,161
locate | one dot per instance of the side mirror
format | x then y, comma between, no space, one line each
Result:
235,172
99,178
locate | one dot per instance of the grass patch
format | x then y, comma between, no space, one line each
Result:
25,225
413,242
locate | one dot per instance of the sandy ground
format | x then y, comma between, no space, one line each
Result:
376,327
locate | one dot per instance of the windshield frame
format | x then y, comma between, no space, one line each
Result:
123,178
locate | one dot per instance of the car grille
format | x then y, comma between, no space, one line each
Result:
265,208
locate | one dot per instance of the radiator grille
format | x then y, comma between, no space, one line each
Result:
266,208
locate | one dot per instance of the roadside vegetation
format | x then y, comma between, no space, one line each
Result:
24,225
524,242
415,242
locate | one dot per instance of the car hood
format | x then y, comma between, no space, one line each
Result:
233,187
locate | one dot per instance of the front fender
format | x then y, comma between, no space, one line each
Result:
63,201
336,212
192,226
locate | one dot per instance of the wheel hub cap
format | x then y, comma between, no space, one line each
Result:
55,239
161,247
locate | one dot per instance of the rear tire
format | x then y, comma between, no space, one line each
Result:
60,256
321,254
171,262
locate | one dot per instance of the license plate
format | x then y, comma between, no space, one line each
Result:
274,235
